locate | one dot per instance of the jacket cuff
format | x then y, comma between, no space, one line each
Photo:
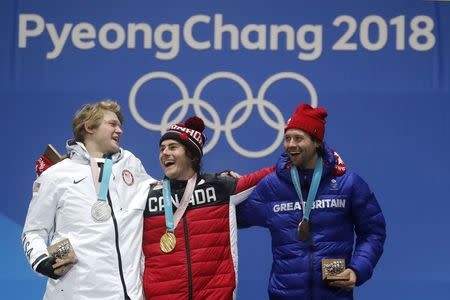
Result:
37,261
362,270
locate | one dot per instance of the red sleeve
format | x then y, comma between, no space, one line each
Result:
252,179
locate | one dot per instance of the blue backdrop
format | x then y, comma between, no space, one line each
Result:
381,68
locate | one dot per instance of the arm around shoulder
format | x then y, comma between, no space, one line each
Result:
249,180
253,211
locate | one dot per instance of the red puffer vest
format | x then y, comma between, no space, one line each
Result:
203,263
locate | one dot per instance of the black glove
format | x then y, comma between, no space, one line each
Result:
46,267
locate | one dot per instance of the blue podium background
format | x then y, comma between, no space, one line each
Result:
386,89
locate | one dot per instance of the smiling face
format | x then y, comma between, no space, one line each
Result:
104,139
301,148
174,160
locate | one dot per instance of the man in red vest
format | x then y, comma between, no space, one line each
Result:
190,241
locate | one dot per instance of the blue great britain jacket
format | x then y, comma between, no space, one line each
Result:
344,206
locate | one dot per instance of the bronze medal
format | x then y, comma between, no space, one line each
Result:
304,230
167,242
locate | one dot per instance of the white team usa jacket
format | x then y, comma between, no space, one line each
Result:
109,253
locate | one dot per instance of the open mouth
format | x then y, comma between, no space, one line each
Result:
168,163
294,154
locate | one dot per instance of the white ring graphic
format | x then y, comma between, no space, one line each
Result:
215,124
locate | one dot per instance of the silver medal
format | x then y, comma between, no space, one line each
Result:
101,211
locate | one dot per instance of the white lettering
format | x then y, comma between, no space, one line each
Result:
25,31
276,208
172,44
259,31
275,31
187,32
315,45
58,41
83,35
219,29
211,195
119,35
153,204
307,39
317,204
146,30
193,133
290,206
200,196
176,201
333,203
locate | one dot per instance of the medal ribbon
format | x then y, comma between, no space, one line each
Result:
107,168
167,195
95,174
172,219
312,190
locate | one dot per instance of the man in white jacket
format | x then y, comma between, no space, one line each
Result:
95,199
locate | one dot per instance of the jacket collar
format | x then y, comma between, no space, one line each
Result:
77,151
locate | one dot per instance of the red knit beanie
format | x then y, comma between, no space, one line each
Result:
189,133
308,119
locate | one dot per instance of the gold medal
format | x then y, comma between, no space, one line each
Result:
167,242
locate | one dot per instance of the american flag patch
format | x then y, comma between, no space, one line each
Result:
36,187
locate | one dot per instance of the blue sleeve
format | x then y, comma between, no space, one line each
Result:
370,229
253,211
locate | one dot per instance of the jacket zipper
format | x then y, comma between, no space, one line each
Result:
188,256
119,256
310,247
311,265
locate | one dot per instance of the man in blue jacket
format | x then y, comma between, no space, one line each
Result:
313,208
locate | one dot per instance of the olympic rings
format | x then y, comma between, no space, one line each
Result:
215,124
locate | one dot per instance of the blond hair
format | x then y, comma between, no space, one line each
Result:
91,115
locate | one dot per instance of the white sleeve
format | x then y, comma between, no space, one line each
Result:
242,196
39,223
139,171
